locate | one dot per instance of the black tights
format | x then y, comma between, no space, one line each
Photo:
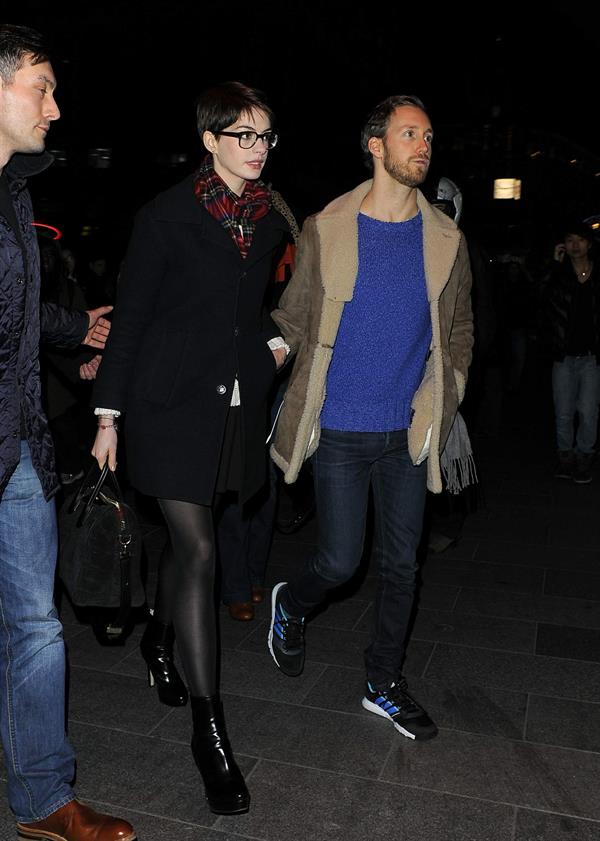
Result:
185,595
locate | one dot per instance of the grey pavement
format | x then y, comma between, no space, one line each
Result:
504,654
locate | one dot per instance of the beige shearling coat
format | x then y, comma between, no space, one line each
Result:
309,317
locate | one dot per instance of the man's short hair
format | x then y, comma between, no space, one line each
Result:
16,44
222,105
378,121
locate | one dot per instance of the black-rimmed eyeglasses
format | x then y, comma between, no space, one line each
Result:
247,139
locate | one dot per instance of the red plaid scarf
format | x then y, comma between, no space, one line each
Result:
237,214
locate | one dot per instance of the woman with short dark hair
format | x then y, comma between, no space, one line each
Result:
190,360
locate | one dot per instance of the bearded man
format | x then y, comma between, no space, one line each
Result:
379,314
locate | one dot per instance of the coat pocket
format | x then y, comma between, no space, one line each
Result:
422,413
159,367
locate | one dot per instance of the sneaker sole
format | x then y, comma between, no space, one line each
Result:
270,637
373,708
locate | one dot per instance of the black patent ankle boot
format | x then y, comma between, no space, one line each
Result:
157,650
224,784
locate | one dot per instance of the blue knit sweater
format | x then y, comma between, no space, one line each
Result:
384,334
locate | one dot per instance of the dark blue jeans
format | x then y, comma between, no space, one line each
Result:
576,388
39,760
345,466
244,541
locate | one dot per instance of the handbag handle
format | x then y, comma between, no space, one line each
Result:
104,473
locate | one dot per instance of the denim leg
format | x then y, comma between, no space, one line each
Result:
341,471
233,536
261,529
399,490
588,395
39,760
564,391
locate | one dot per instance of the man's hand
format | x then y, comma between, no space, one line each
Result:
88,370
99,328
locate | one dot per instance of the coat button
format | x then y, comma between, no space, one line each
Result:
236,331
221,389
20,280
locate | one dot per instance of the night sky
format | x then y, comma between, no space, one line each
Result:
128,76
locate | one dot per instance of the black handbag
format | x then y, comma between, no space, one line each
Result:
101,546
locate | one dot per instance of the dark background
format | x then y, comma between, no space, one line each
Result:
511,92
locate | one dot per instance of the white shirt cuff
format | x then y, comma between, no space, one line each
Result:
278,342
113,412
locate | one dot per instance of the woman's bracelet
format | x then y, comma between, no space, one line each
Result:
114,426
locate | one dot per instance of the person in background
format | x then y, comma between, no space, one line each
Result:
244,532
65,382
572,324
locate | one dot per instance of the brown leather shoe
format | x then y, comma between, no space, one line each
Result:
258,594
242,611
76,822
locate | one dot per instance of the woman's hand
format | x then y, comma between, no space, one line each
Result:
105,445
280,356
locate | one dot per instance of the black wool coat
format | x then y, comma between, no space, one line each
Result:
189,316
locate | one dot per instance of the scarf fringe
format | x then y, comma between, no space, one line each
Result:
457,462
459,473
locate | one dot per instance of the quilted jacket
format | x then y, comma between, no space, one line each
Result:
21,322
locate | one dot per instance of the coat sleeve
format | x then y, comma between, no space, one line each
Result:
62,327
461,334
293,313
139,287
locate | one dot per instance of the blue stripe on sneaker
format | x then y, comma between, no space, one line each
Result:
386,705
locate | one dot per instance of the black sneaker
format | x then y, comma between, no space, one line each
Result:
565,464
395,703
286,637
582,474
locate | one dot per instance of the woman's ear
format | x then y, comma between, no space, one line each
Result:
210,141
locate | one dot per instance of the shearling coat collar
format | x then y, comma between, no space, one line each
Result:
337,225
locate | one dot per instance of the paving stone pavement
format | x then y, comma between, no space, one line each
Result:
504,654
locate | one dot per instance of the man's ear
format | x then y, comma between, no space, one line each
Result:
375,147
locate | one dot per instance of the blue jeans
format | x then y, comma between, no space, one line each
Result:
345,466
576,388
39,760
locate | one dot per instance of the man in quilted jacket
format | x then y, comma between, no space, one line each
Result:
38,757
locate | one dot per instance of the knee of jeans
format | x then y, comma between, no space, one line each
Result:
34,637
332,570
403,576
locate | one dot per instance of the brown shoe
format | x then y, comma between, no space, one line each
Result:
242,611
76,822
258,594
